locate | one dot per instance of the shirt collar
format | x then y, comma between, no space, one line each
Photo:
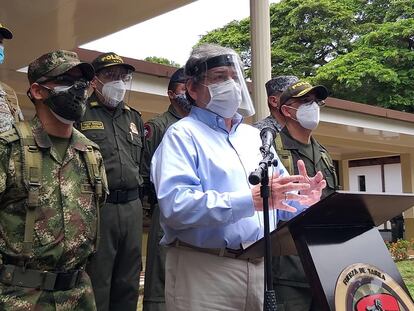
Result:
174,112
290,143
213,120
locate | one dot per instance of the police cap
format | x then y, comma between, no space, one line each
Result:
109,59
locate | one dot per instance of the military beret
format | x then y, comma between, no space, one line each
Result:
56,63
7,34
109,59
178,76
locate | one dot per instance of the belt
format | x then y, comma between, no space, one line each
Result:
122,196
222,252
45,280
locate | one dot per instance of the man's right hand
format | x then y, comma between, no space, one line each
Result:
282,190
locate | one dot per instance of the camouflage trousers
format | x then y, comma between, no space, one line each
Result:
15,298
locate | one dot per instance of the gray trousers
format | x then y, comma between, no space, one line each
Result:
115,268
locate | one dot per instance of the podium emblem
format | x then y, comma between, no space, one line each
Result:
363,287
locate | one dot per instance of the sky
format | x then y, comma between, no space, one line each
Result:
173,34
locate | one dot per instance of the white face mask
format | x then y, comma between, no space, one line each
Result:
114,92
61,119
308,115
225,98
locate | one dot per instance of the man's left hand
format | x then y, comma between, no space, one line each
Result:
317,184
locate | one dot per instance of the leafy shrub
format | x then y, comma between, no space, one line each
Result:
399,249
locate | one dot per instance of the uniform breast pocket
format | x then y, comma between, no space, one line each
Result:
48,227
136,146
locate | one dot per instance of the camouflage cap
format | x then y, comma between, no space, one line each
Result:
56,63
279,84
109,59
301,88
7,34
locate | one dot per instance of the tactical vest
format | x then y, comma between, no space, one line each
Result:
32,178
286,158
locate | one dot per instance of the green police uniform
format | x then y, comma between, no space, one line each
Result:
49,208
116,267
154,299
289,279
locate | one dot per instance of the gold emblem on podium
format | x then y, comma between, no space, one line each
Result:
363,287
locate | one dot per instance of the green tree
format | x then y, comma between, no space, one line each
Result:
305,34
379,71
161,60
361,49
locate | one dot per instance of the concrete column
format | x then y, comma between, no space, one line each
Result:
344,173
407,174
261,59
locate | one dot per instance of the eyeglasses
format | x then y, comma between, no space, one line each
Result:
109,75
320,103
220,76
77,85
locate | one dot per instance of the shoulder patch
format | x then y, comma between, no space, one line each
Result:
147,131
10,135
91,125
133,109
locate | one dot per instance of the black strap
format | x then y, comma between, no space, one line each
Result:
221,252
45,280
122,196
216,61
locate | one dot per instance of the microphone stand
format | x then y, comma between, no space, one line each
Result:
261,175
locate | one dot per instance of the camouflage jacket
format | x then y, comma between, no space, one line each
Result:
269,121
65,228
66,222
9,108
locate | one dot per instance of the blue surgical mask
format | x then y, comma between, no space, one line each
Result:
1,53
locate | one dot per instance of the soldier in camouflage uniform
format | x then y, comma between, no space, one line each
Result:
155,128
299,105
52,183
10,112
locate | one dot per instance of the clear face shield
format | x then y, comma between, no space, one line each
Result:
116,84
219,71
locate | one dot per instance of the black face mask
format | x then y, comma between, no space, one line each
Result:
182,100
70,104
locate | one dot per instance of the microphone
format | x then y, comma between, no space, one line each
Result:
267,134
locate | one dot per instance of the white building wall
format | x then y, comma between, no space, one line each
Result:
373,180
372,175
393,179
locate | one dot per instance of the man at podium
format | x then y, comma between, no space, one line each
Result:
208,209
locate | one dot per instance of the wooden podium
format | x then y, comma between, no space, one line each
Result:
344,256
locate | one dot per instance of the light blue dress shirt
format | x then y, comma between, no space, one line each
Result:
200,172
